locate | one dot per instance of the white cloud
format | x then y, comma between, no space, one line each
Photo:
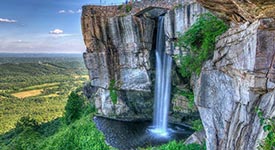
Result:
69,11
79,11
43,44
7,20
62,11
56,31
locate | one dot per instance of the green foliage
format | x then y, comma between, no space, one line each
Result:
269,127
190,96
26,140
56,76
120,7
179,146
82,135
113,93
128,8
73,108
197,125
200,41
178,6
25,123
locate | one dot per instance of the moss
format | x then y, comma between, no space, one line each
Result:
113,91
197,125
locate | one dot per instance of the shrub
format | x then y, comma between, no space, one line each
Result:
200,42
113,93
197,125
80,135
128,8
120,7
269,127
26,122
73,108
190,96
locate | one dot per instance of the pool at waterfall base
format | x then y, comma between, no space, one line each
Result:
130,134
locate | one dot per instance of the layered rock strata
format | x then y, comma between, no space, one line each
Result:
241,10
239,79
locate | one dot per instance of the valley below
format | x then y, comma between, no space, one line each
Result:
37,86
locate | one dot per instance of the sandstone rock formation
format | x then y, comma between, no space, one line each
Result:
239,79
241,10
120,49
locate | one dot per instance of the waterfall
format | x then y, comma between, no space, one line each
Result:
162,83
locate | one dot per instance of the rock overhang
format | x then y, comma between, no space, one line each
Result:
240,11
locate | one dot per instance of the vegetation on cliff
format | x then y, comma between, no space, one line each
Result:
269,128
200,40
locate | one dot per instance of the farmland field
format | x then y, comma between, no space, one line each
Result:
37,85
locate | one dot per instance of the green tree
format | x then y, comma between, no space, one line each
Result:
74,106
26,122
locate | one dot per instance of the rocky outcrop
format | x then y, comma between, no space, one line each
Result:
197,137
241,10
120,50
239,79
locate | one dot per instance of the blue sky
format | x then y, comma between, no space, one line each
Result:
43,26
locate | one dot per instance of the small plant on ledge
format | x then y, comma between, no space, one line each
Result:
268,124
128,8
200,41
113,91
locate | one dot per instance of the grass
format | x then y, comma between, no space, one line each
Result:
81,76
46,85
26,94
51,95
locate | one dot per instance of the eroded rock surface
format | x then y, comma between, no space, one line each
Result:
239,79
118,50
241,10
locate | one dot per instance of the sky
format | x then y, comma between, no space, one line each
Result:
43,26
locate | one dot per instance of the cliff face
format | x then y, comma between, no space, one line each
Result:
120,50
239,79
241,10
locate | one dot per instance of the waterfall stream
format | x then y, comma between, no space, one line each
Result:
162,83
